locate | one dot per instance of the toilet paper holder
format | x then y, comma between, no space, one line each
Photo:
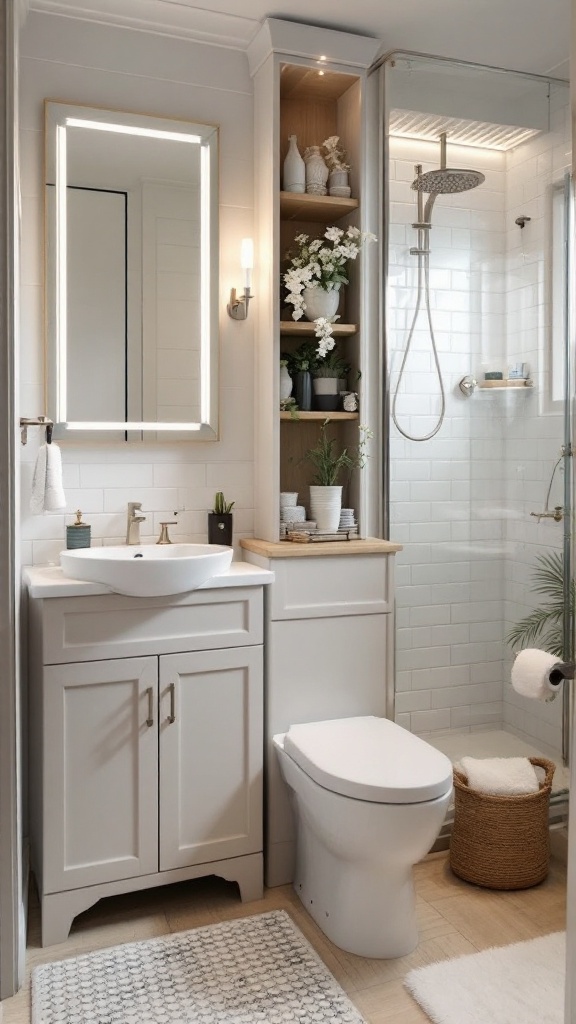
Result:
565,670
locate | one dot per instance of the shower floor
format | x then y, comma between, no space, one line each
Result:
497,743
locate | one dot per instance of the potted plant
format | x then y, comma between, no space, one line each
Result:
315,273
336,160
220,521
328,379
329,459
300,365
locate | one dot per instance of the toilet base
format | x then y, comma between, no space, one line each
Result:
366,909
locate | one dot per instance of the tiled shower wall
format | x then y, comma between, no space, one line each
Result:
462,500
87,63
533,428
450,576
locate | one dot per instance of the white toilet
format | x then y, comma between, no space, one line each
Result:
370,799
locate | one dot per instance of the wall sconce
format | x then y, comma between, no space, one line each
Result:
238,307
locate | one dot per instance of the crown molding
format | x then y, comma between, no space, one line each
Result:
161,17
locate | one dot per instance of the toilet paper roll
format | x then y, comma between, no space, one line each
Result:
537,674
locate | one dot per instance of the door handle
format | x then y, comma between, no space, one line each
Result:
150,695
172,715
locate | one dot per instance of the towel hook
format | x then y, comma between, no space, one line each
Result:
38,421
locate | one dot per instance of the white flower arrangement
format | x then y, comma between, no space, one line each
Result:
318,265
335,154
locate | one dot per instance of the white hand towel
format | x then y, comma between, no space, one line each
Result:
47,492
500,776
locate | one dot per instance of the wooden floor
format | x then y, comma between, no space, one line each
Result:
455,918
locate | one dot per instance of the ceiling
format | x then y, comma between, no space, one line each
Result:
524,35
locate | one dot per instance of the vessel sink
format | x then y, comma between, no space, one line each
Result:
148,570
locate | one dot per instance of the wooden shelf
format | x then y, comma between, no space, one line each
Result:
322,209
307,328
505,385
318,415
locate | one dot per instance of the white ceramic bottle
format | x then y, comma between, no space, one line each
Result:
294,178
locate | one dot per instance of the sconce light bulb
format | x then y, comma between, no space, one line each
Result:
247,259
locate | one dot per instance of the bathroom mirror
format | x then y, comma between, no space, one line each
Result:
131,275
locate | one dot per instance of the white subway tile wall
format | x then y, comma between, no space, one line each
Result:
461,501
81,62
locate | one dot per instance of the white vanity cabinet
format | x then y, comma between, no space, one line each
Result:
146,736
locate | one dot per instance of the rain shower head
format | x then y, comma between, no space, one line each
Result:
446,179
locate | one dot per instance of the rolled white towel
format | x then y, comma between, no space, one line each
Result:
500,776
47,491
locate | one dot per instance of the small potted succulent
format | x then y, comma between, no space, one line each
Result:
220,521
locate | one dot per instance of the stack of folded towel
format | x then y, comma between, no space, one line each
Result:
500,776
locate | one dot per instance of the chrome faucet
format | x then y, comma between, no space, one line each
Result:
134,520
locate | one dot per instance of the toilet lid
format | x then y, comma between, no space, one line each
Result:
370,758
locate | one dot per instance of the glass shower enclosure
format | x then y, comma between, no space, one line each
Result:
478,383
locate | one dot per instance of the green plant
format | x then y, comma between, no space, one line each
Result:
221,506
546,624
333,365
329,461
289,405
303,358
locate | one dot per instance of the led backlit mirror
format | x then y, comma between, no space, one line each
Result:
131,275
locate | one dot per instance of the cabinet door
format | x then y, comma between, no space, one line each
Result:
210,756
100,757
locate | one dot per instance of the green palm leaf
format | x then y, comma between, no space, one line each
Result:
546,624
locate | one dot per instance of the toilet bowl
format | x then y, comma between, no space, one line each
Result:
370,799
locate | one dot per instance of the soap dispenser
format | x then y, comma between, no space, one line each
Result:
78,534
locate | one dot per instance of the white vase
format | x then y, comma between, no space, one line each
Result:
338,184
316,171
325,505
285,383
294,177
318,302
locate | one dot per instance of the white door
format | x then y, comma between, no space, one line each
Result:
210,756
100,772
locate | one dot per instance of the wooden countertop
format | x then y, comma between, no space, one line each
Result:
291,549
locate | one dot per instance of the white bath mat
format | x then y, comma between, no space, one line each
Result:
254,969
518,984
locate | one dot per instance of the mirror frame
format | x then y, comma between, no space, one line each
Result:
58,117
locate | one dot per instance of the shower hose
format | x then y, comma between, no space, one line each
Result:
423,286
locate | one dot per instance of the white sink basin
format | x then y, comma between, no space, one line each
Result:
148,570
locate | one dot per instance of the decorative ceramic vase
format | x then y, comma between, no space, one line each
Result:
338,184
318,302
285,383
294,177
316,171
303,390
325,505
326,393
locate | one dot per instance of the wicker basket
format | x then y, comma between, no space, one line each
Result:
501,842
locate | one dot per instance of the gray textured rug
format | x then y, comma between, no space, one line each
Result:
253,969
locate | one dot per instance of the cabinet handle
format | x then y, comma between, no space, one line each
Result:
150,693
172,715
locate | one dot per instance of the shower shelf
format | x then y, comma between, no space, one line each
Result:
504,385
469,385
